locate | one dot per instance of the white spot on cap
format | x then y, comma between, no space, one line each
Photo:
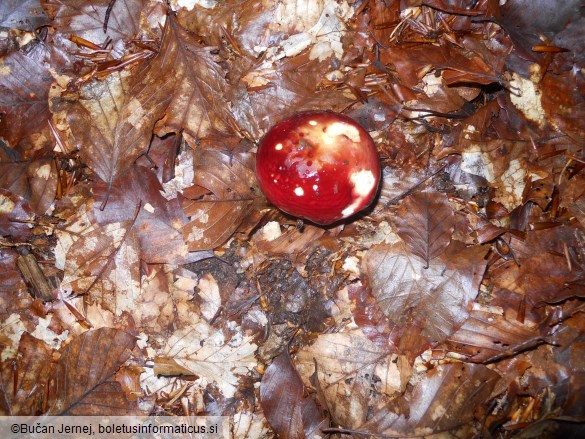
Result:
299,192
312,123
341,128
278,146
363,183
315,187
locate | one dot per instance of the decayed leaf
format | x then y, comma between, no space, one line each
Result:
14,214
86,19
25,15
104,262
271,94
232,181
546,266
424,304
24,89
112,123
194,85
486,336
203,351
445,400
425,223
159,222
290,412
23,386
84,375
353,374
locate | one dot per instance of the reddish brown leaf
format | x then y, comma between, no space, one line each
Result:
232,181
194,85
25,15
424,304
546,267
112,125
487,336
86,19
84,375
289,410
14,214
24,89
444,401
24,385
425,223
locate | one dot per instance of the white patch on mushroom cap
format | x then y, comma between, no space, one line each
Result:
363,182
299,192
342,128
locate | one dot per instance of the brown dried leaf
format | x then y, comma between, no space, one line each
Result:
194,83
103,262
159,222
112,122
353,374
84,375
290,412
424,304
425,223
24,15
486,336
23,386
547,266
273,94
445,400
86,19
24,89
204,351
14,214
232,182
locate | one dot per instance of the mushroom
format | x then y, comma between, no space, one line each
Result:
318,165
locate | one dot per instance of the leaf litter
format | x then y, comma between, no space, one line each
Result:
144,272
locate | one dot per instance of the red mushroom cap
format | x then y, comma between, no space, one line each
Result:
318,165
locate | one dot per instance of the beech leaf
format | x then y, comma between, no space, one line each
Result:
86,19
24,89
84,375
232,181
425,223
283,398
424,304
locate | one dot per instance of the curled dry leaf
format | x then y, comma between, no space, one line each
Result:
290,411
425,223
84,375
232,182
424,304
